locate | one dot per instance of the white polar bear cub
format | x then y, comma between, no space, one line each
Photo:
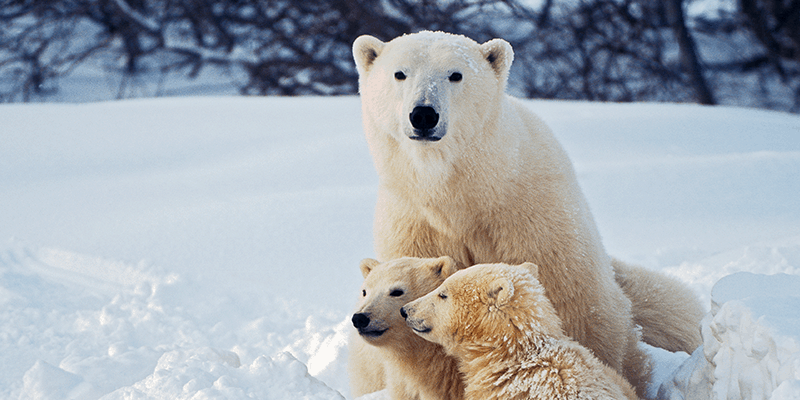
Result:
496,320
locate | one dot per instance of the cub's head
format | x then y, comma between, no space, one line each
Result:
387,287
419,88
484,306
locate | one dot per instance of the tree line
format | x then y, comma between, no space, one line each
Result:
739,52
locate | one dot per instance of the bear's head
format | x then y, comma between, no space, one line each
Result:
486,306
390,285
422,86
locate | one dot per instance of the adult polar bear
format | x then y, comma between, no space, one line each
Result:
469,172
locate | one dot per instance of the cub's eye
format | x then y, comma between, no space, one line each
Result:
364,293
396,293
442,295
455,77
400,76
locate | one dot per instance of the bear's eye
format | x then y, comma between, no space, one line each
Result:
364,293
455,77
400,76
442,296
396,293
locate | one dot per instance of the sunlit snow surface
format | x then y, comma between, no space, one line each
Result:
207,248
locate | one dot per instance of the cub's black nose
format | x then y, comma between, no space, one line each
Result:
360,320
403,312
424,118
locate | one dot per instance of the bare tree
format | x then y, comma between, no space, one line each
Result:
690,61
610,50
284,47
639,50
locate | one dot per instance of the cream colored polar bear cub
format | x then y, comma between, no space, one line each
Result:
383,348
496,320
470,172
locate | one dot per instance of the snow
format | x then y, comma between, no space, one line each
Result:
208,247
751,347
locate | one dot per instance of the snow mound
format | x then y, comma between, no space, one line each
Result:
751,343
207,373
80,327
765,257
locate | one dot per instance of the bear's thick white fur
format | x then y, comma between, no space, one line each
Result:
668,311
496,320
489,182
384,348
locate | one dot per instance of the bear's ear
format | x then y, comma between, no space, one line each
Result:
367,265
499,291
443,266
500,55
532,268
366,49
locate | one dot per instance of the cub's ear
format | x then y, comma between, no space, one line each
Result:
499,291
443,266
499,54
367,265
532,268
366,49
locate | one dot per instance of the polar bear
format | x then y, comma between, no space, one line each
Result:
470,172
382,348
496,320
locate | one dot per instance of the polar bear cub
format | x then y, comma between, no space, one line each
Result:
383,350
496,320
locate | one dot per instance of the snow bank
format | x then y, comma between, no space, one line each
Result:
79,327
212,374
751,343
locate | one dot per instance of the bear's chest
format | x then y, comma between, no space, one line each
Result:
461,234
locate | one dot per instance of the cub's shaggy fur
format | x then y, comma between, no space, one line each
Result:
496,320
384,349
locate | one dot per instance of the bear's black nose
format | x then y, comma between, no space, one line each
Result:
424,118
360,320
403,312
